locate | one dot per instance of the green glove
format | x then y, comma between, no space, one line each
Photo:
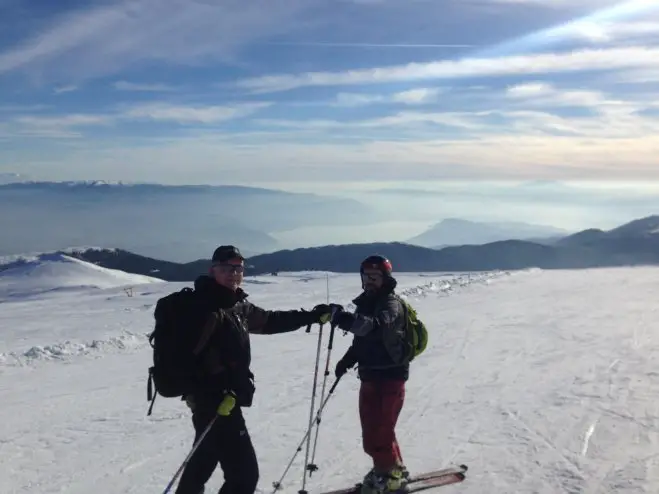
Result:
323,312
227,405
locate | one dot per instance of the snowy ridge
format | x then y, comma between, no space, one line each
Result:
9,261
59,272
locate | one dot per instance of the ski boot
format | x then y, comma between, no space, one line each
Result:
390,482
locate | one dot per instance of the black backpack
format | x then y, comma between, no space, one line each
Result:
182,329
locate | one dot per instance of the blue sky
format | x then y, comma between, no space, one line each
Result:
297,91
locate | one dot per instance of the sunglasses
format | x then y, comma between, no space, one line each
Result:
372,276
225,267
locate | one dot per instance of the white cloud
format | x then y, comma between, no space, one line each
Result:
65,89
109,38
605,32
545,63
192,114
530,109
59,126
640,76
418,96
134,86
458,120
496,156
70,125
543,94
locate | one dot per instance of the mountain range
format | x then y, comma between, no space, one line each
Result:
633,243
183,222
457,231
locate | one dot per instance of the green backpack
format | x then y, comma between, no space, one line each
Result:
416,334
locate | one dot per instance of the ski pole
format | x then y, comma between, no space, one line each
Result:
312,467
187,459
313,400
277,485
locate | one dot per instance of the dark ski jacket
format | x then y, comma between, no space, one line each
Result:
226,354
378,326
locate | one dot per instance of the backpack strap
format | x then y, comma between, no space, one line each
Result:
409,350
206,332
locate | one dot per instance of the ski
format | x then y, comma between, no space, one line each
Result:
420,482
439,481
459,470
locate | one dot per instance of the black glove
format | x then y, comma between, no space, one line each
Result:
343,319
320,314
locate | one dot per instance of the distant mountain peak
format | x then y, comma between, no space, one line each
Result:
648,225
460,231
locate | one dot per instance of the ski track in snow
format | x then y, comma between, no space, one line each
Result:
544,382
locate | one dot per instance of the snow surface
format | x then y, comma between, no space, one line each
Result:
541,381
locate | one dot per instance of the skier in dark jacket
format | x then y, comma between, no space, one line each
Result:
378,347
228,383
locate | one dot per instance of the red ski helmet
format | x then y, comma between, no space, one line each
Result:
377,262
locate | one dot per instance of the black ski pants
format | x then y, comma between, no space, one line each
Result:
227,443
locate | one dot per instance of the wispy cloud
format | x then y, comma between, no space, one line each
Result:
56,127
606,32
530,97
73,125
65,89
334,44
582,60
529,109
109,38
192,114
543,94
494,156
145,87
417,96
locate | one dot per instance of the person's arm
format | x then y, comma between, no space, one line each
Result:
388,318
346,362
262,321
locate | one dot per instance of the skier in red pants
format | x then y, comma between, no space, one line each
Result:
378,347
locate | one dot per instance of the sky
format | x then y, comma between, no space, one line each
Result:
330,91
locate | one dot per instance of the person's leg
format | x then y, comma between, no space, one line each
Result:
369,413
396,399
388,397
203,462
385,449
237,457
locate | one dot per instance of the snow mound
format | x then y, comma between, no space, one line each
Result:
450,283
13,259
62,351
43,273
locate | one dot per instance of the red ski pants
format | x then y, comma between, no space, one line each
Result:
380,403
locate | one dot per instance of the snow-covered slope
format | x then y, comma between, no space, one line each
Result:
542,382
29,276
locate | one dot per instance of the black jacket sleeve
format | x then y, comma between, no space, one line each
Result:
349,359
261,321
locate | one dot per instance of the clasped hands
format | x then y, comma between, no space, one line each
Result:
332,313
